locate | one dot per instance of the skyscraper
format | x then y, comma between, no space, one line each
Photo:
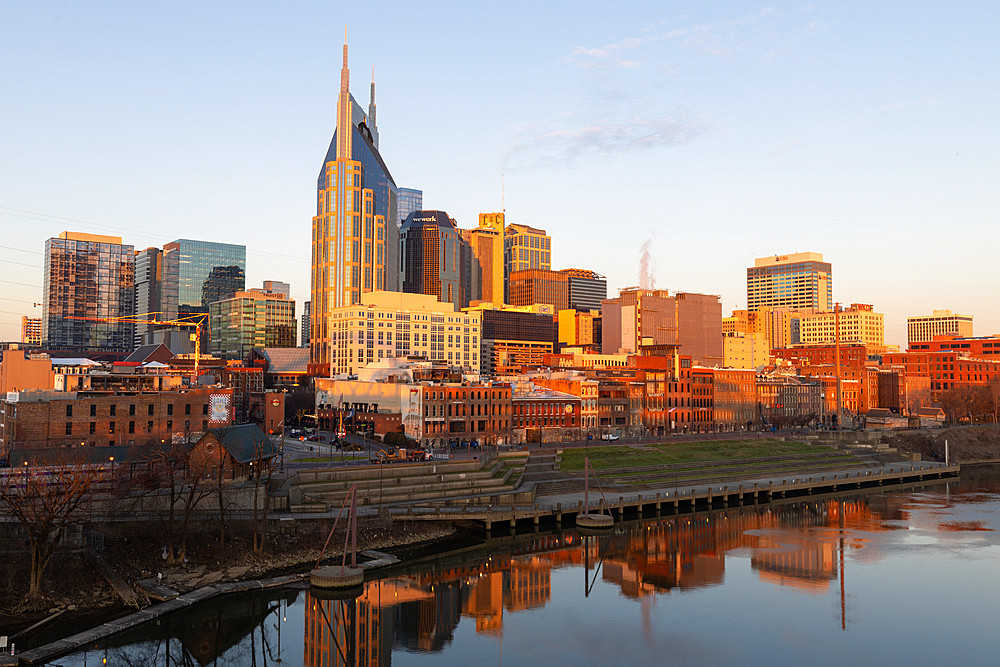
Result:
408,200
586,289
306,310
87,275
798,281
251,319
199,273
486,244
525,248
433,257
940,323
355,239
148,291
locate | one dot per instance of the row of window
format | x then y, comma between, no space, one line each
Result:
112,427
112,409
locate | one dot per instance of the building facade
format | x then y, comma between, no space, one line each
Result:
857,324
148,292
801,280
355,238
91,276
394,324
251,319
525,248
940,323
530,286
31,330
587,289
199,273
486,245
408,200
306,313
435,258
513,340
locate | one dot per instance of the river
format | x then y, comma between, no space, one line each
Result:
900,577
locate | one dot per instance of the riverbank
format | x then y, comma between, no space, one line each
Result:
79,597
966,444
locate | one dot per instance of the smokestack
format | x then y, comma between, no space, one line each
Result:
646,266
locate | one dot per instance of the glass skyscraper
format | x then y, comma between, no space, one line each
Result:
198,273
408,200
93,276
355,238
798,281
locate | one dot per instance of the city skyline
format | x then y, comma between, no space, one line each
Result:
732,133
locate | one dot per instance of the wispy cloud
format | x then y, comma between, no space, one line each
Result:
565,146
923,102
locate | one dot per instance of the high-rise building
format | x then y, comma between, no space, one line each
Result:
31,330
278,287
201,272
539,286
798,281
306,308
87,275
858,324
513,339
587,289
435,258
148,291
408,200
940,323
355,238
525,248
251,319
486,244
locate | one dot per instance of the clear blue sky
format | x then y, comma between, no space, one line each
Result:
721,131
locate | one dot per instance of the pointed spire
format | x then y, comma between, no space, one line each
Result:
371,105
344,112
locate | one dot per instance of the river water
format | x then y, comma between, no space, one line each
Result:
900,577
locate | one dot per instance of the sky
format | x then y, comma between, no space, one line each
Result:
714,133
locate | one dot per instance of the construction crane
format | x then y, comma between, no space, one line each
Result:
196,320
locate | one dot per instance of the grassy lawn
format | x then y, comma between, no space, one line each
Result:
688,452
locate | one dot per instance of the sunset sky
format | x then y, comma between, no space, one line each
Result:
719,132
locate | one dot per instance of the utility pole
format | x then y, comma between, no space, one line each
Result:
836,352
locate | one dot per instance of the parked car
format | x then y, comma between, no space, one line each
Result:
316,438
609,436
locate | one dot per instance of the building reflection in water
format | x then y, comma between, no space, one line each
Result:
799,546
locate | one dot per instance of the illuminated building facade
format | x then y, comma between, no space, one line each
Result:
408,200
355,239
87,275
587,289
525,248
530,286
248,320
801,280
31,330
940,323
435,258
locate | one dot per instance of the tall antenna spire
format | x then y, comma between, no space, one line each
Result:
502,209
344,112
371,104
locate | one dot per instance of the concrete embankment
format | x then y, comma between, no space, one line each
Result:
966,444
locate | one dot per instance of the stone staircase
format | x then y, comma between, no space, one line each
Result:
487,480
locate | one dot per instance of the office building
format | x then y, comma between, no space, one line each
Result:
486,245
394,324
148,292
538,286
526,248
587,289
857,324
580,329
744,350
306,309
654,323
31,330
355,238
251,319
199,273
93,276
278,287
798,281
940,323
408,200
435,258
514,339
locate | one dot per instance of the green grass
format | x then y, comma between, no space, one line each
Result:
689,452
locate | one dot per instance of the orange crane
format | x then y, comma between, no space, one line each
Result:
196,320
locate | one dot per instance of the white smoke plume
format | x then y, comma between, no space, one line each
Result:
647,266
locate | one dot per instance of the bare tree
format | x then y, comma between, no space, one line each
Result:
261,470
45,500
182,479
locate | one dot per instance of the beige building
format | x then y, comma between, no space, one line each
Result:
940,323
800,280
576,329
858,324
394,324
486,243
745,350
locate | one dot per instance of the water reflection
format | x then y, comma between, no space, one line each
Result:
522,596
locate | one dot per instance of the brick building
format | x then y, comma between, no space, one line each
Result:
541,415
452,414
45,419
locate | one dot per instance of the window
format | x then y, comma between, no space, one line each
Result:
131,427
69,428
112,410
93,409
149,427
170,408
187,409
204,409
131,410
93,427
170,424
204,424
111,427
149,410
69,411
